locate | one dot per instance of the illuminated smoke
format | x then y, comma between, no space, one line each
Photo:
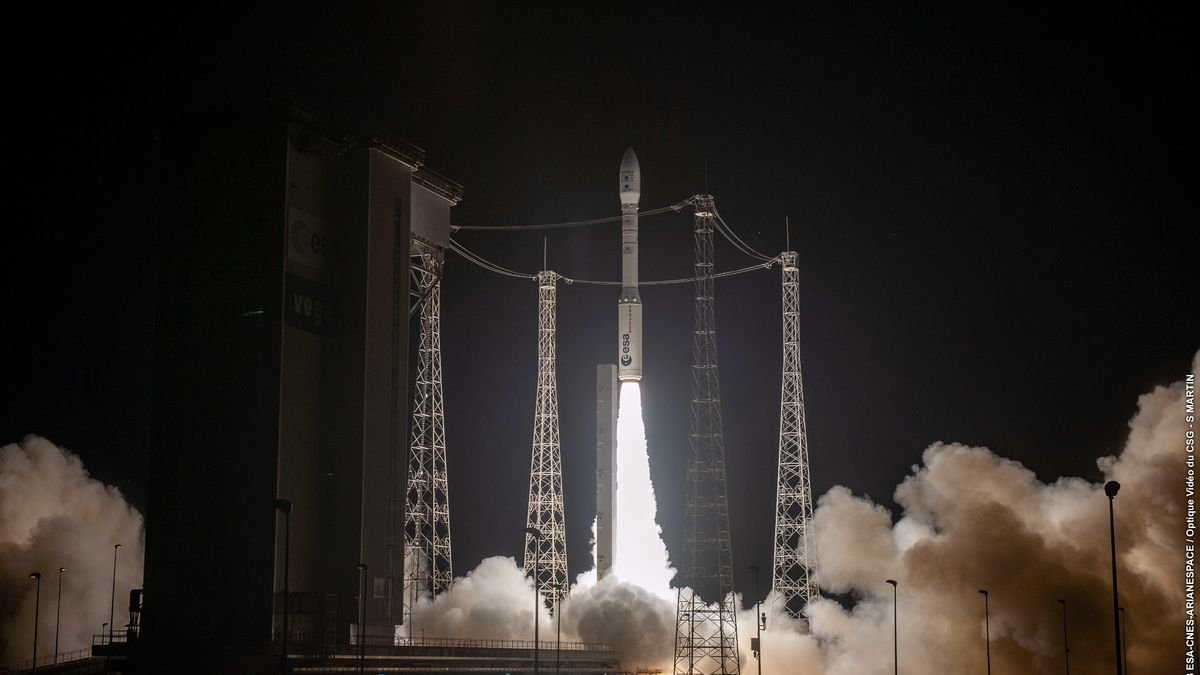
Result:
973,520
52,515
640,556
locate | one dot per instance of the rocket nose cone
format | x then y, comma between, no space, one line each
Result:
630,161
631,178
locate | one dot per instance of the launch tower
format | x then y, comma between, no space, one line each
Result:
791,578
548,552
705,620
428,566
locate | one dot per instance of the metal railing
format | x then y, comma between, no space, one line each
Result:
388,641
48,660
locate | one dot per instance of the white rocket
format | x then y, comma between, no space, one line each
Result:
629,304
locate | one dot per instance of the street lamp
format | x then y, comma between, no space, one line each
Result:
58,613
895,630
285,506
1124,644
1066,642
757,646
987,630
37,607
537,554
1110,489
113,601
362,617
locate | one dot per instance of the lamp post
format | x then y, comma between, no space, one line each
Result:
537,555
362,617
1066,642
987,630
285,506
895,630
58,613
37,607
113,601
1110,489
1124,644
558,637
757,623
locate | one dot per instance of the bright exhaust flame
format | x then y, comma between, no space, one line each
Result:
639,554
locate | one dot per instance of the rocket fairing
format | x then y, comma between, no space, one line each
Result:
629,303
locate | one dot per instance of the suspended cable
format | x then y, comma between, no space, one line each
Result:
669,282
482,262
486,264
731,236
674,208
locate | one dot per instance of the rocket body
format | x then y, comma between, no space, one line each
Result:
629,303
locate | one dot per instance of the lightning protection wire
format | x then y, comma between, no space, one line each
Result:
495,268
674,208
732,237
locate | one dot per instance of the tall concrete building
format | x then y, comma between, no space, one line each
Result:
282,370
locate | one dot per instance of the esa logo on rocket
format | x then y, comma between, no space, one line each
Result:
626,359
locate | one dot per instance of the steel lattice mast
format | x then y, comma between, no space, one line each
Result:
547,553
792,575
428,567
705,619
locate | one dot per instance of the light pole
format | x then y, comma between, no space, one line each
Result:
58,613
1066,642
37,607
285,506
757,623
113,601
987,630
1124,644
1110,489
895,630
537,555
558,637
362,617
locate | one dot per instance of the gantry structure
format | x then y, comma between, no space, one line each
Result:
705,618
792,570
546,552
428,566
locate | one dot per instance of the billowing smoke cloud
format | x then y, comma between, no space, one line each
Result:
638,622
52,515
972,520
495,601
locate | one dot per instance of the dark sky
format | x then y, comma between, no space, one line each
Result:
990,206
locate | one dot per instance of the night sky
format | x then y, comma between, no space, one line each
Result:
989,204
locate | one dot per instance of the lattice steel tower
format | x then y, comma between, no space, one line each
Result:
548,552
705,619
427,561
792,575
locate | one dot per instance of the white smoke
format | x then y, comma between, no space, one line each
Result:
972,520
52,515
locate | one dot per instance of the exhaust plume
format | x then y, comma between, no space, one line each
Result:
52,515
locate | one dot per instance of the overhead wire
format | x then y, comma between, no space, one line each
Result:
487,264
726,231
732,237
496,268
574,223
